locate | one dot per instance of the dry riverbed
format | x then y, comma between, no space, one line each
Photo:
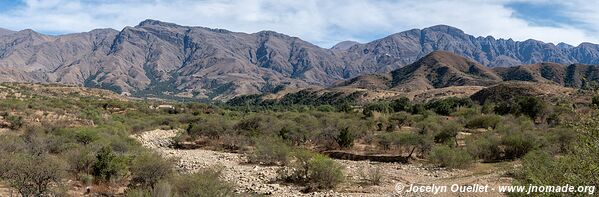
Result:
263,179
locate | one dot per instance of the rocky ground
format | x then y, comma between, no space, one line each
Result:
263,179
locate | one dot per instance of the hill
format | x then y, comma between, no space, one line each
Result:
439,69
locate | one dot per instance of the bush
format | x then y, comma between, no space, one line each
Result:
80,160
387,140
380,106
32,175
324,173
205,183
108,165
298,168
448,105
371,176
86,136
562,138
401,105
531,106
147,169
418,108
518,144
212,127
483,122
577,167
326,108
270,151
444,156
506,107
485,148
595,101
415,141
399,119
16,122
448,132
346,138
315,171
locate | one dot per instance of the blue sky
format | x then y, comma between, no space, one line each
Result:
321,22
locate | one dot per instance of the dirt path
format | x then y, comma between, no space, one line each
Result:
262,179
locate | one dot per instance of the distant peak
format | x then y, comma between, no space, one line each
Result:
344,45
150,22
562,45
444,28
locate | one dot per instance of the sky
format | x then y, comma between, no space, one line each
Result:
322,22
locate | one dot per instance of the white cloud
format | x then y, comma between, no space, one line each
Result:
321,22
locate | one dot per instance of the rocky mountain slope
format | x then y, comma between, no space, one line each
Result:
438,69
406,47
162,59
442,69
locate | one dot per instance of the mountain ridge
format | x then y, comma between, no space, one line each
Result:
441,69
156,58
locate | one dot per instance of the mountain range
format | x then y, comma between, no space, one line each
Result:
441,69
164,59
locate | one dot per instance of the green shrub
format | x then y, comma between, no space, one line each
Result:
415,141
346,138
270,151
326,108
448,105
506,107
388,140
485,148
16,122
315,171
86,136
400,119
32,175
444,156
402,104
80,160
324,173
380,106
147,169
211,127
595,101
517,144
297,170
205,183
531,106
561,139
418,109
483,122
108,165
448,132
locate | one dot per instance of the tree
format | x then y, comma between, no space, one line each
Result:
448,132
32,175
531,106
108,165
401,104
346,138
